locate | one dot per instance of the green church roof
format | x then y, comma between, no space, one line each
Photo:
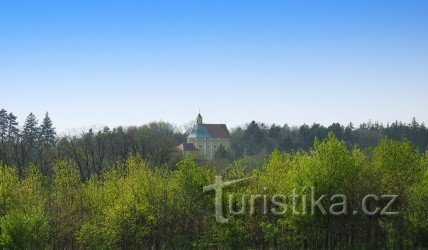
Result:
200,131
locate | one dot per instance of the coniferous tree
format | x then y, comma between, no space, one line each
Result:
31,131
47,132
221,152
253,138
3,135
3,125
12,128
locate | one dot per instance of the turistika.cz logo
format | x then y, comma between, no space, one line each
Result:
296,203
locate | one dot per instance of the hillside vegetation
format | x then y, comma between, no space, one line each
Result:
138,203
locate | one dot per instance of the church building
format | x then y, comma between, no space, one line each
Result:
206,138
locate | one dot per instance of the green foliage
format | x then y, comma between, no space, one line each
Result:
24,222
190,204
419,199
118,207
397,165
30,132
12,128
224,153
47,132
65,205
135,204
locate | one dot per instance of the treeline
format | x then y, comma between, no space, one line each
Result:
31,144
258,138
96,151
134,204
93,152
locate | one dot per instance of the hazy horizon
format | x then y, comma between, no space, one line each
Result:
183,126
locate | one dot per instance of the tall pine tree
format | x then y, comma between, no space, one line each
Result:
31,131
47,132
3,125
12,128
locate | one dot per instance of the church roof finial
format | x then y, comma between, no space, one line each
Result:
199,118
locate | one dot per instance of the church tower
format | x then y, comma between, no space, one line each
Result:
206,138
199,119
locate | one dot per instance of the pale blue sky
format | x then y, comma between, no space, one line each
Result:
131,62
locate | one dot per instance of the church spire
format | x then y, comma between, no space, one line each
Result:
199,119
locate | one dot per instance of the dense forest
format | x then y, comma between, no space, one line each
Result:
96,151
130,188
